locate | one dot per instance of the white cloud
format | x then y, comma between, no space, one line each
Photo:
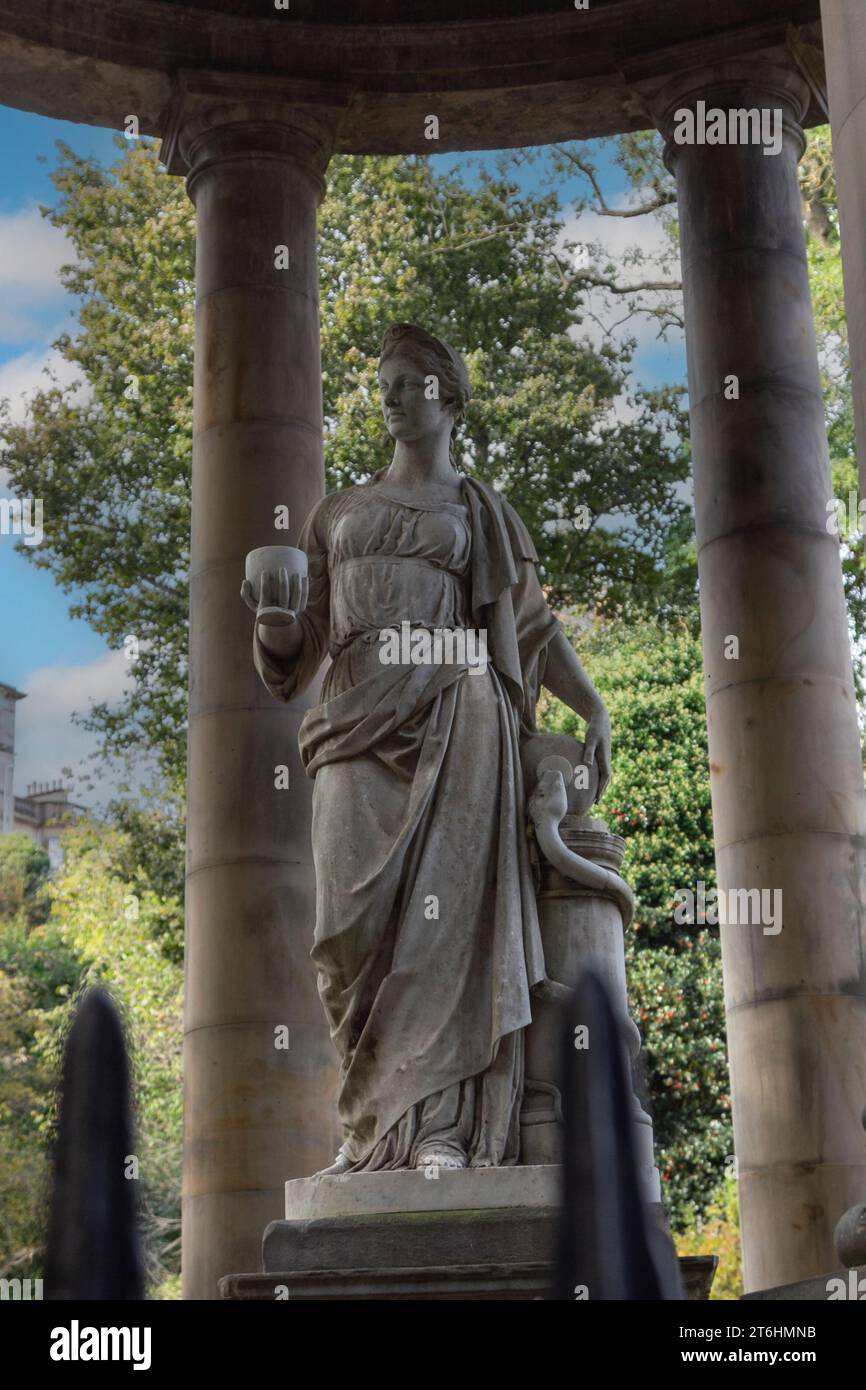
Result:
655,359
46,739
23,374
618,236
31,293
31,254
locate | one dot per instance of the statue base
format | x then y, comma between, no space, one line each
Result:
478,1233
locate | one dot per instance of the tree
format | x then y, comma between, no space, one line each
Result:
37,973
24,868
24,1090
654,293
481,264
114,923
646,283
106,925
824,250
482,268
150,852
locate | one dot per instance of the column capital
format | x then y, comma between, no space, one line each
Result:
736,83
217,117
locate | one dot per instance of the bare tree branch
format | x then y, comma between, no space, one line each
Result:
437,198
662,200
483,236
592,277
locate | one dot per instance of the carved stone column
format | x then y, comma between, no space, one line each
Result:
787,776
260,1072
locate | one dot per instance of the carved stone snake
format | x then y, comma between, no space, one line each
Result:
547,806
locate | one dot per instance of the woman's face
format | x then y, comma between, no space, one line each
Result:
409,405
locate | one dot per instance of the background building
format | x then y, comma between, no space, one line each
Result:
9,697
46,810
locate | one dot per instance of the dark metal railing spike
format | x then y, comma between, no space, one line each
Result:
93,1247
610,1244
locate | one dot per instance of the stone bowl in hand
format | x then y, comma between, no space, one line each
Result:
275,586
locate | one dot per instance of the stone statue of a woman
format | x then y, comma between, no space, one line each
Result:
427,941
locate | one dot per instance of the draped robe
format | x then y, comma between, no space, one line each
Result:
427,941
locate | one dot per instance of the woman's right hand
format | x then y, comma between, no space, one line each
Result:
282,599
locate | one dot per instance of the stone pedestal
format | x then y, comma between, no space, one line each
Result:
474,1234
580,931
408,1189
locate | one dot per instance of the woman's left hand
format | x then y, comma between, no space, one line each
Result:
596,747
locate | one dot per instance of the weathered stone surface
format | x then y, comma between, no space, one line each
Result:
475,1255
499,1236
786,772
254,1110
841,1286
581,927
454,1283
511,72
851,1236
357,1194
468,1234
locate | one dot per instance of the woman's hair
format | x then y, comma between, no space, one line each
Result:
435,358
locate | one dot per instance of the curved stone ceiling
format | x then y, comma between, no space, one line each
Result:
514,72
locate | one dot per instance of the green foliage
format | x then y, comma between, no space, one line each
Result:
659,800
170,1289
109,927
23,872
24,1088
824,249
717,1232
482,267
151,854
677,1000
480,263
39,974
116,927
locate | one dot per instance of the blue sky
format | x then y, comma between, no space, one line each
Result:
59,661
36,626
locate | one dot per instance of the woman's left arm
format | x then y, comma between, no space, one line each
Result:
565,678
